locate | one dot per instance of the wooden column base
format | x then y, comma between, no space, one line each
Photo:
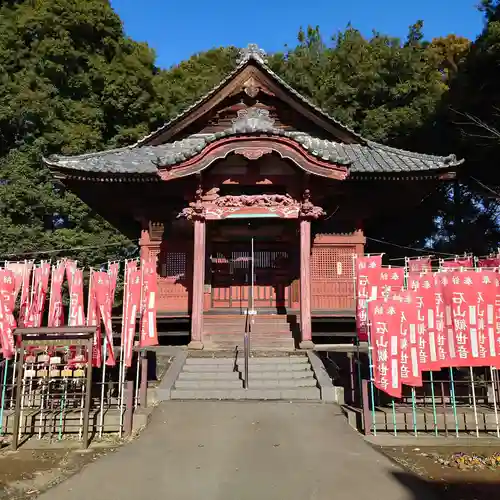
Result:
306,344
196,345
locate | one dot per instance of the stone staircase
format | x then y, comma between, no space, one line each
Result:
288,377
269,332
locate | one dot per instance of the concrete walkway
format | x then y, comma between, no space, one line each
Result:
242,451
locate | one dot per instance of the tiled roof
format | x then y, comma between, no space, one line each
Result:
362,157
251,54
359,158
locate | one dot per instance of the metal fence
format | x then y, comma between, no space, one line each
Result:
51,404
450,403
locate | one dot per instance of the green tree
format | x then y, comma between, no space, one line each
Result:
467,123
70,82
379,86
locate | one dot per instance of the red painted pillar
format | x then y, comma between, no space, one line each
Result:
144,244
305,284
198,282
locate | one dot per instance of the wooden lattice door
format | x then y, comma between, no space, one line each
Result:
175,276
332,277
231,276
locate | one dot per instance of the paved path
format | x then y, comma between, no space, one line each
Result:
241,451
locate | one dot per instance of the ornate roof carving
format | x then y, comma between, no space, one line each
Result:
252,51
363,156
252,120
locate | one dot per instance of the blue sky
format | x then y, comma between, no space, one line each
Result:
177,29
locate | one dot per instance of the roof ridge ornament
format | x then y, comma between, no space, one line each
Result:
252,51
252,119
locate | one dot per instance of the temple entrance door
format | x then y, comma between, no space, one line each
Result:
231,275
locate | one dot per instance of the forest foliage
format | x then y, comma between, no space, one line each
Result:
72,81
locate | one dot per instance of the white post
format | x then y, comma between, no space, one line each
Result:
252,281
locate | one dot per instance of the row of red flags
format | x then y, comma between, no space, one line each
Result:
417,320
32,283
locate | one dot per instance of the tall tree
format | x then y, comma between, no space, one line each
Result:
468,123
70,81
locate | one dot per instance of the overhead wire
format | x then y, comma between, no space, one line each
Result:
53,251
397,245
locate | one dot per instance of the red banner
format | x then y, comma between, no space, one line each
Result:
56,310
7,288
149,334
131,309
71,267
38,295
423,290
113,276
18,269
457,264
409,367
25,302
496,310
463,296
391,281
94,319
103,298
384,338
76,315
419,265
491,262
7,320
367,281
489,349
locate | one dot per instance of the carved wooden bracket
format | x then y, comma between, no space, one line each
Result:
307,209
252,153
156,231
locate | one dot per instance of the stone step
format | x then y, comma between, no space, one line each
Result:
287,344
209,384
237,375
255,384
256,349
296,394
241,324
253,338
273,360
257,318
292,367
211,375
236,330
279,375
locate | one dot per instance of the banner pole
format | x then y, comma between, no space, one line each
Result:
474,399
372,381
89,356
4,381
394,423
414,410
453,401
103,379
123,331
434,413
4,388
63,404
494,402
136,402
124,342
358,360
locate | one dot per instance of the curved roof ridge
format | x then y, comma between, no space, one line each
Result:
83,156
450,159
255,55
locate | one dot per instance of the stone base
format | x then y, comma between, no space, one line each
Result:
195,345
306,344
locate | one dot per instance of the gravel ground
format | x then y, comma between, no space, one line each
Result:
458,473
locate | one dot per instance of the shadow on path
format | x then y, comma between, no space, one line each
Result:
460,490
